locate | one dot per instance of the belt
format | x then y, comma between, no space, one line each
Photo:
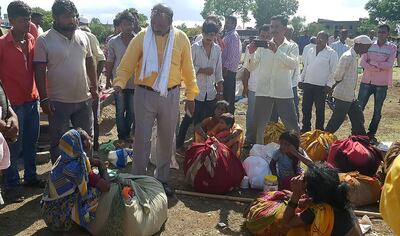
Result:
151,89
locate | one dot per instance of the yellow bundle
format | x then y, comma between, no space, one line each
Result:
317,144
363,190
273,131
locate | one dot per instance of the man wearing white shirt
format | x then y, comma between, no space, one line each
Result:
274,84
341,46
344,89
317,80
313,42
206,57
250,86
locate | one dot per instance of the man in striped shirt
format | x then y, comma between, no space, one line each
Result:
231,54
377,77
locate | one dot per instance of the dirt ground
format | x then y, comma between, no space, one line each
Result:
191,215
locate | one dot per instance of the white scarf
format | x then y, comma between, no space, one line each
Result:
150,61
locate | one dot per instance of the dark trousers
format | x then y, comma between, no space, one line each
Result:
379,92
96,127
340,111
25,147
203,109
124,113
313,94
275,117
230,89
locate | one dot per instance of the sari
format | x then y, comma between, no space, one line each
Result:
390,198
211,127
322,225
68,197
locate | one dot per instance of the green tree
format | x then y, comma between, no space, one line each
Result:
47,18
384,10
366,25
142,18
183,27
299,24
263,10
227,7
100,30
314,27
194,31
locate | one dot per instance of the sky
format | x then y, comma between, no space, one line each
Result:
188,11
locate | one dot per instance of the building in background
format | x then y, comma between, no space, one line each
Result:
332,26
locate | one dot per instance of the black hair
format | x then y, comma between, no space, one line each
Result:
232,19
323,186
325,34
18,8
116,22
36,15
210,27
229,119
384,26
223,103
63,7
165,9
126,16
291,137
264,28
283,19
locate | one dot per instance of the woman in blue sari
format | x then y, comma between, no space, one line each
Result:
72,192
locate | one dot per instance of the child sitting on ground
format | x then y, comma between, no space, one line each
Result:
288,158
207,128
230,133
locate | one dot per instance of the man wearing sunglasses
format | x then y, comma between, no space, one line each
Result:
160,59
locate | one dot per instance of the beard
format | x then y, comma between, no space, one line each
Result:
67,28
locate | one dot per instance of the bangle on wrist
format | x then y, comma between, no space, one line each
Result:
44,100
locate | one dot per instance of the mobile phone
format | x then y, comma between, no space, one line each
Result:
260,43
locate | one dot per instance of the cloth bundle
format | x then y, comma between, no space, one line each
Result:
144,215
211,167
265,214
273,131
363,190
355,153
317,144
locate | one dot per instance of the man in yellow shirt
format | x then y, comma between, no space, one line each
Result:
157,94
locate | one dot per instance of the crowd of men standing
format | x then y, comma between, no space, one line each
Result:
59,70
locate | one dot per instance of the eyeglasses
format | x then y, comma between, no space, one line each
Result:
160,14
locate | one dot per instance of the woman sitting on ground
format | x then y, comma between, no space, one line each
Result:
223,127
208,126
73,187
328,213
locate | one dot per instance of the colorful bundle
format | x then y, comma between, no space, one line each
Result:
317,144
273,131
355,153
211,167
363,190
265,214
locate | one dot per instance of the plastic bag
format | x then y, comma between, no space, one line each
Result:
256,168
264,151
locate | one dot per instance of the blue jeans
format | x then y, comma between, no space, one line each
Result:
250,125
25,147
379,92
125,117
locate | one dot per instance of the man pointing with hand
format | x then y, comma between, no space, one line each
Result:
160,58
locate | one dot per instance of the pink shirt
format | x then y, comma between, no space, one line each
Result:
378,64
